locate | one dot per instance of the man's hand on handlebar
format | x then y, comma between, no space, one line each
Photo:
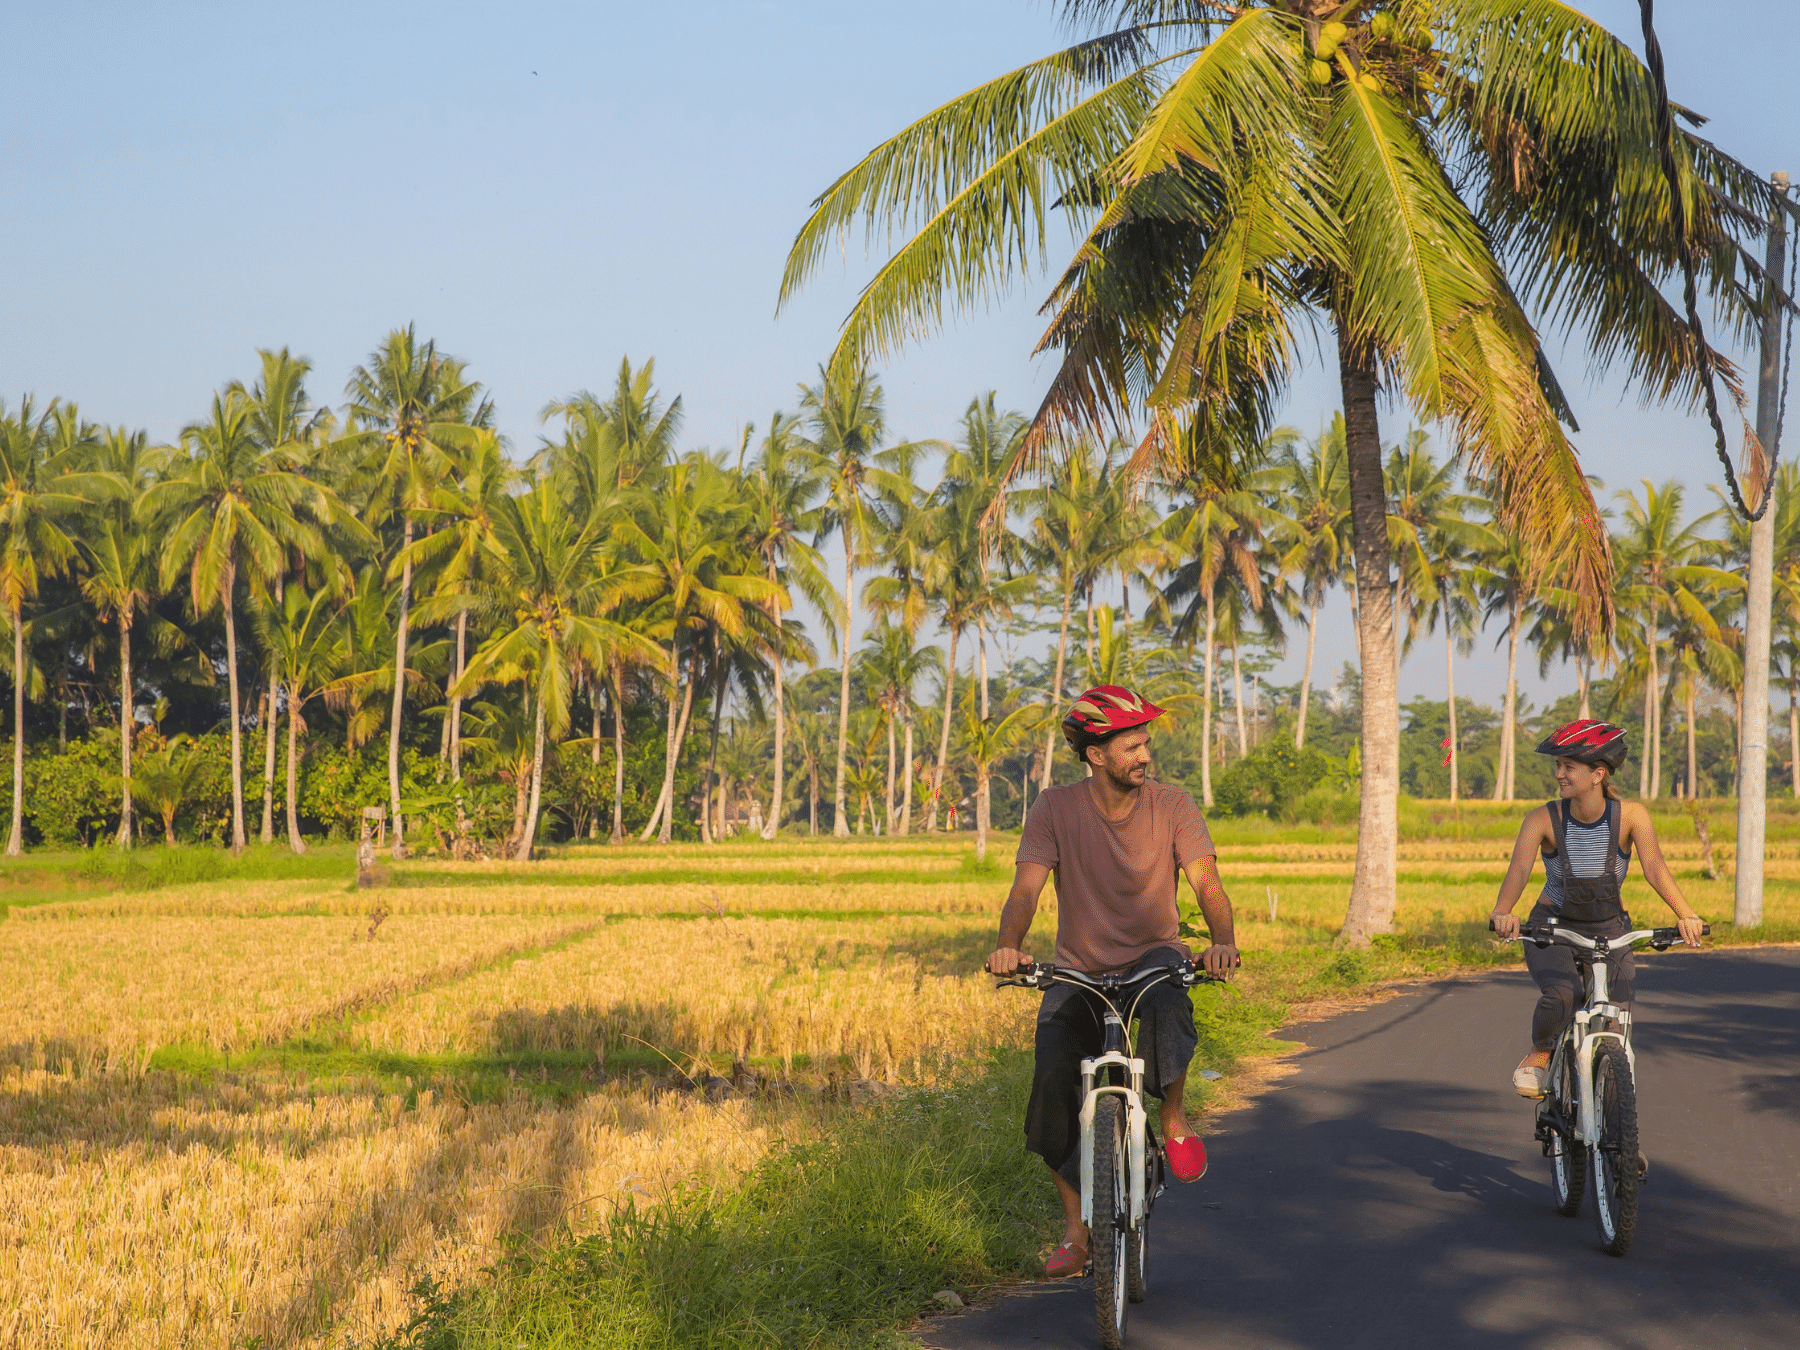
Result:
1505,925
1006,960
1219,959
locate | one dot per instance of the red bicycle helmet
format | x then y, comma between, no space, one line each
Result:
1105,709
1588,741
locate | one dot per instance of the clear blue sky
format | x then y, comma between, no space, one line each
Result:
545,187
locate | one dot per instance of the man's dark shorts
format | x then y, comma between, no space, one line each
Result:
1070,1029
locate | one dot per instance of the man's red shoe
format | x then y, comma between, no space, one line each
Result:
1187,1157
1066,1260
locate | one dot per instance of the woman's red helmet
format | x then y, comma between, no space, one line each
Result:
1104,709
1588,741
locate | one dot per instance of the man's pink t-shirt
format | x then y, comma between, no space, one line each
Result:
1115,879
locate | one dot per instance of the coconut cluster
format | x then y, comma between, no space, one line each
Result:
1383,35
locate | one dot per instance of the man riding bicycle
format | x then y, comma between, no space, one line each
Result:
1115,842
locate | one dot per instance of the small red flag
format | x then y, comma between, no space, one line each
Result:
1445,746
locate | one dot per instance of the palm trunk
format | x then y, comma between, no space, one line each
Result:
668,783
269,765
812,798
1509,736
1312,639
400,634
15,842
707,834
888,819
1093,658
237,730
127,720
1450,690
618,712
1793,742
1373,890
667,833
840,826
594,735
1585,674
1654,725
295,842
462,633
981,810
1206,704
1237,702
907,776
1056,690
537,786
943,754
1644,758
1692,792
773,825
981,648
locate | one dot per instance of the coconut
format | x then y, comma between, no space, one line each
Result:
1318,72
1333,32
1382,26
1325,49
1369,81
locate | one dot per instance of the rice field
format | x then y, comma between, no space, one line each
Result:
259,1112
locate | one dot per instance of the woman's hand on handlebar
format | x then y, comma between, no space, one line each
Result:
1005,961
1219,959
1505,925
1690,929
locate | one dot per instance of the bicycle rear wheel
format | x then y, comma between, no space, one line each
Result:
1108,1234
1615,1156
1568,1155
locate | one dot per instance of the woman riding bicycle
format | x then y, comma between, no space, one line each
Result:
1585,839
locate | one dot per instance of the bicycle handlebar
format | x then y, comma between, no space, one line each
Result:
1042,974
1543,934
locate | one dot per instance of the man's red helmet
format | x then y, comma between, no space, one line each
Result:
1104,709
1588,741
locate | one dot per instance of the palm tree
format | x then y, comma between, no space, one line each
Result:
408,406
893,665
1662,576
166,778
284,423
1310,530
986,741
1218,534
119,580
305,639
686,537
618,442
1246,172
782,486
844,410
229,506
39,489
543,596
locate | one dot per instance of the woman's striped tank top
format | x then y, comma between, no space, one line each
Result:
1588,847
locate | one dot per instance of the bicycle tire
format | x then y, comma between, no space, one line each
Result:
1615,1157
1137,1240
1112,1215
1568,1155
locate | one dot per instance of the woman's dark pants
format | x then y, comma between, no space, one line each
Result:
1559,978
1070,1029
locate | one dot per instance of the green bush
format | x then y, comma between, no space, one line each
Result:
1276,780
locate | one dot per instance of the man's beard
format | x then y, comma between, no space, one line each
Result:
1125,782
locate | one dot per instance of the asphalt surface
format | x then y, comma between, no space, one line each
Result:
1389,1194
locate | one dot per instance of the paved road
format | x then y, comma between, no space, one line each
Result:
1390,1194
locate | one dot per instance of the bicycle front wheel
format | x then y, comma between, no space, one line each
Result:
1615,1156
1137,1241
1568,1155
1112,1221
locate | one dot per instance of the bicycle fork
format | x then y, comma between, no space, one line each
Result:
1136,1123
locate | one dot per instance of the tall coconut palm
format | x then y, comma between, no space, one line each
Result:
1310,529
1663,574
284,422
40,490
305,638
1245,171
119,578
893,664
540,595
616,443
407,407
986,741
230,508
845,411
686,536
783,485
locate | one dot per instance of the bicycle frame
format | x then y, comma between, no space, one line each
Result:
1587,1033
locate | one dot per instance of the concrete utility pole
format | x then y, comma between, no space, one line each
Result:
1753,746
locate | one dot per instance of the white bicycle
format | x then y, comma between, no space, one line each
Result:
1121,1160
1587,1122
